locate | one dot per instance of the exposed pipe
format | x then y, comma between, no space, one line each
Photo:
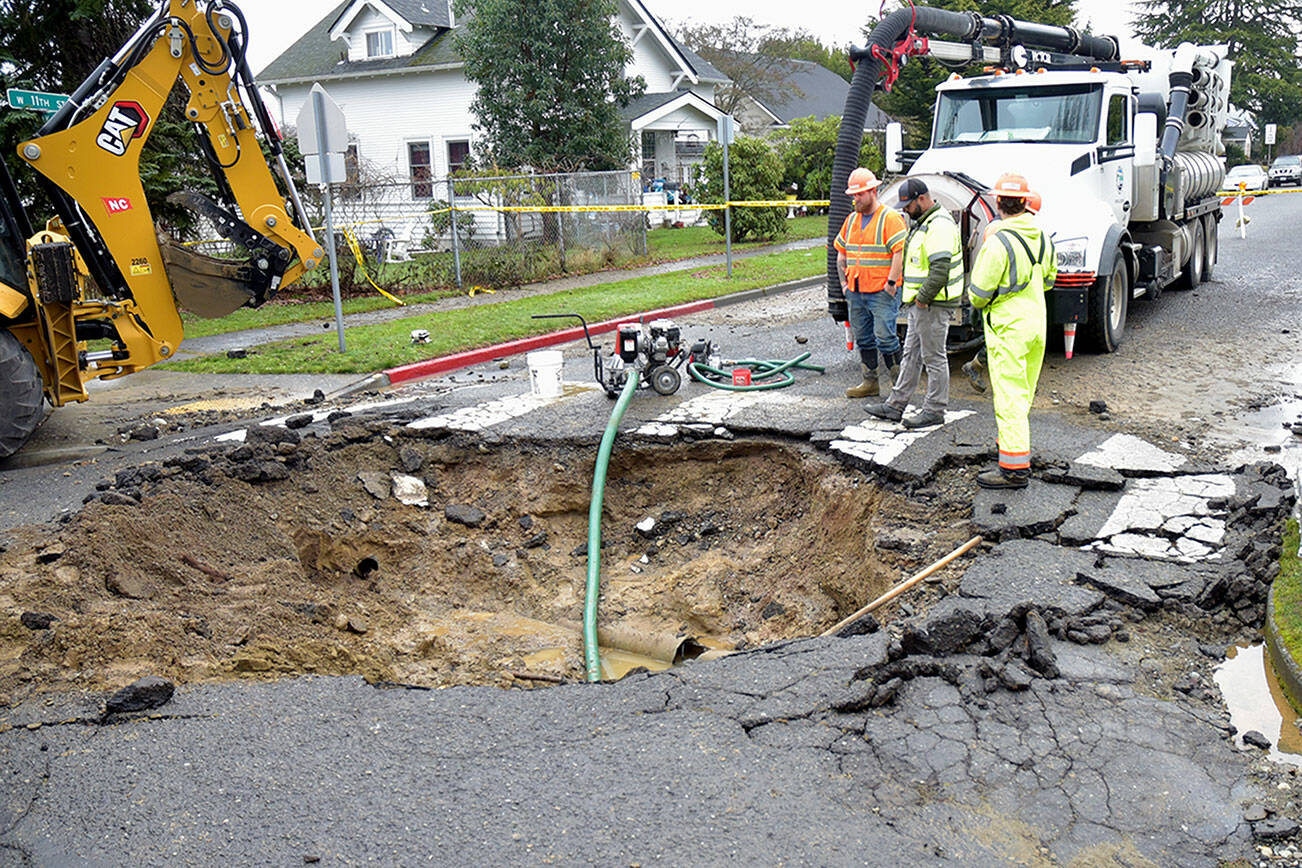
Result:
963,26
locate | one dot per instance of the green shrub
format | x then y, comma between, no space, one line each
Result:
755,174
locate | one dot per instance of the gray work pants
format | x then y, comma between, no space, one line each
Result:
924,347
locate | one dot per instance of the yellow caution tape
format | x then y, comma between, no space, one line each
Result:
1235,193
581,209
783,203
357,252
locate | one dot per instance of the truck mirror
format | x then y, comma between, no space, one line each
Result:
894,144
1145,140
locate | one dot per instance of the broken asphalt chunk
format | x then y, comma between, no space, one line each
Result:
142,695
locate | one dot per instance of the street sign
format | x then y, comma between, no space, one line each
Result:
35,100
321,125
1270,134
325,168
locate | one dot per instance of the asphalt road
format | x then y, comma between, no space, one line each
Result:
778,755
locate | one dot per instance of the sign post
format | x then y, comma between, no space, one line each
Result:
322,139
726,135
1269,139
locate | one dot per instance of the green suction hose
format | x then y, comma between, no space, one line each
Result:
591,656
763,372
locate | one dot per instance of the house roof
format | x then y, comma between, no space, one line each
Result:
704,70
651,106
810,89
315,56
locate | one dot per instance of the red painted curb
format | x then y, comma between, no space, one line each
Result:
443,364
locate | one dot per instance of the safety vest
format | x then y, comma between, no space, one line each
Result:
936,235
1025,263
869,242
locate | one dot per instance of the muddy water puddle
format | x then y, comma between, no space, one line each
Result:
1257,702
322,569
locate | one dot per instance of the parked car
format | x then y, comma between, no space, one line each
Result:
1286,170
1250,176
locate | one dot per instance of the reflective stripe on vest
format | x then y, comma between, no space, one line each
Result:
913,280
867,262
1014,285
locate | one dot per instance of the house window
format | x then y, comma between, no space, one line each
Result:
422,179
351,188
379,43
458,153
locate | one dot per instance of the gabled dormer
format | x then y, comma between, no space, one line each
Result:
385,29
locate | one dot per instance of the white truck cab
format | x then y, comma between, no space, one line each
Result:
1126,219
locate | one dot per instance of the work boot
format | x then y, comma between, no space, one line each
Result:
1000,478
973,371
925,419
868,388
884,411
893,365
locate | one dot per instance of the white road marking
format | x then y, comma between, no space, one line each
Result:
1174,505
1126,452
485,415
880,442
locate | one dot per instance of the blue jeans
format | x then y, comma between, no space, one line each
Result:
872,316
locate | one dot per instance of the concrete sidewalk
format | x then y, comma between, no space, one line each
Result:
216,344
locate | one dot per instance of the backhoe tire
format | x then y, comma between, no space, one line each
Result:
21,393
1109,302
1192,275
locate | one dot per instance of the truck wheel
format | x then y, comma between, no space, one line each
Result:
21,393
1193,269
1109,301
1211,245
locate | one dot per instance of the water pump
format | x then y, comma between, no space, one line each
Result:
652,352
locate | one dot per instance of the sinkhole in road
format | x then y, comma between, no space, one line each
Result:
276,559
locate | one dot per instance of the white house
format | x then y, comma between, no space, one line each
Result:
392,67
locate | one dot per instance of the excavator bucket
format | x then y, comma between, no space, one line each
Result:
206,285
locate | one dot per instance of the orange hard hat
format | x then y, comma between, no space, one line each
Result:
860,181
1013,186
1033,202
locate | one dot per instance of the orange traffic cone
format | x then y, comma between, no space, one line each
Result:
1069,337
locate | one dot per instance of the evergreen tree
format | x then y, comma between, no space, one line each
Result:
1262,37
550,76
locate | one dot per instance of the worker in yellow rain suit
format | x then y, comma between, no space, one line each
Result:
1014,268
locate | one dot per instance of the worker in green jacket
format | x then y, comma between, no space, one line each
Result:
932,290
1014,268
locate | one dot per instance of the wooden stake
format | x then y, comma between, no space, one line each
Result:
902,587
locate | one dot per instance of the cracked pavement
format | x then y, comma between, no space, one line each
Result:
1023,719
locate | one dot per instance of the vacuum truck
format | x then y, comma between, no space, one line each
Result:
1126,154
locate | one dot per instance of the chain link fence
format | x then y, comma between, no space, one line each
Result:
476,231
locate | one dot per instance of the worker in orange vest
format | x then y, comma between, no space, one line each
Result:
870,262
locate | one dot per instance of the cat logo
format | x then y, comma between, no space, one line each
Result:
125,121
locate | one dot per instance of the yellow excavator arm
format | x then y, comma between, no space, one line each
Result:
101,270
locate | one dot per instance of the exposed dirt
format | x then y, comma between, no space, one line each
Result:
212,578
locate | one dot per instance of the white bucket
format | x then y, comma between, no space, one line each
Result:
545,373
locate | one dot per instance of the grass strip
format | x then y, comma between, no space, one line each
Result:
279,314
386,345
663,245
1288,593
